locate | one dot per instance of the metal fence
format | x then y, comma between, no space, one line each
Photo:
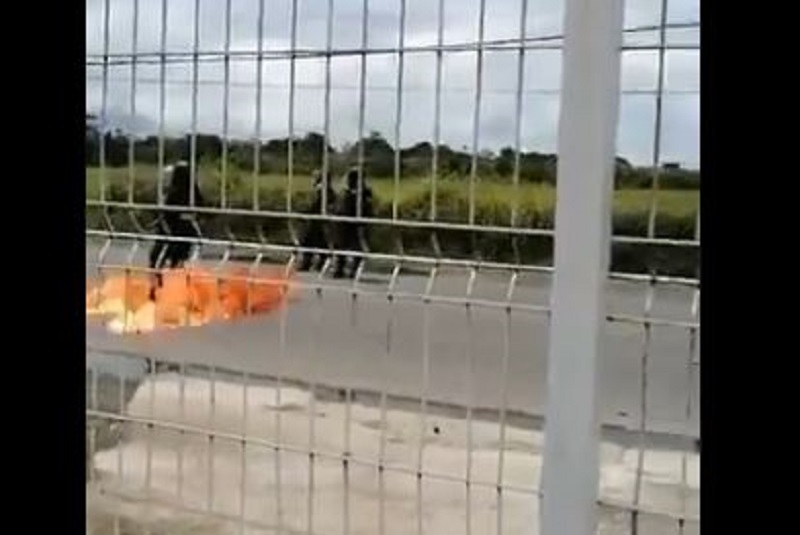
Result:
411,395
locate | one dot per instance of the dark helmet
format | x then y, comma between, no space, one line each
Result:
181,177
179,186
354,176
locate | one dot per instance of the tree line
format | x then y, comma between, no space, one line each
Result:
379,158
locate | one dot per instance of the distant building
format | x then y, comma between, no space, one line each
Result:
671,166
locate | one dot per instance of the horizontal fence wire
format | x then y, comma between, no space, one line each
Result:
403,387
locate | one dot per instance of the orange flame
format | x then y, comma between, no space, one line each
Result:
187,297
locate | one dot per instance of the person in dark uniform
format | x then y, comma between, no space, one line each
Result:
174,254
315,236
352,236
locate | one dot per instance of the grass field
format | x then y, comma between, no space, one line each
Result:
499,196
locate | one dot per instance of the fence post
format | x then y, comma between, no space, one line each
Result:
586,150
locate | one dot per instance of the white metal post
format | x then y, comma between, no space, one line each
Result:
587,136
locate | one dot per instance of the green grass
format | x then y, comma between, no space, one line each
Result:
493,203
452,195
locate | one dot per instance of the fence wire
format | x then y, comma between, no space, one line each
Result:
407,394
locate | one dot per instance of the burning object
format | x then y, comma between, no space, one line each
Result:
188,297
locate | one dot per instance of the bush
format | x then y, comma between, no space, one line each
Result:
493,205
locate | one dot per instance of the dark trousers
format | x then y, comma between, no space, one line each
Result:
314,238
171,254
349,239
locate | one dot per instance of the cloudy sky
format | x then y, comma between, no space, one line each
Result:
680,112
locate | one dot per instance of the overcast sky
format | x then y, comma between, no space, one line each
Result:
681,104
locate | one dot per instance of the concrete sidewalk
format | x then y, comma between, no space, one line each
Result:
670,485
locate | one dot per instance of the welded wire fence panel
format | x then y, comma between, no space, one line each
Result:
343,323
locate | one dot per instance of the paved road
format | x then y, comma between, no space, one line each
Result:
335,340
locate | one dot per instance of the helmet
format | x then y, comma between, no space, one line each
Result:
353,177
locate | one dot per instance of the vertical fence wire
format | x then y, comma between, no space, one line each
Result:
226,103
523,32
476,118
193,171
318,316
326,136
504,372
362,105
424,393
469,378
120,427
162,99
181,436
210,444
132,109
433,268
437,112
93,403
243,449
644,373
259,102
291,110
657,125
398,114
148,477
104,100
282,356
384,424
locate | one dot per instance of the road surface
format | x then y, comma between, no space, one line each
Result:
334,339
330,338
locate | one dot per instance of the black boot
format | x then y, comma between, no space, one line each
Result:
305,262
339,265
